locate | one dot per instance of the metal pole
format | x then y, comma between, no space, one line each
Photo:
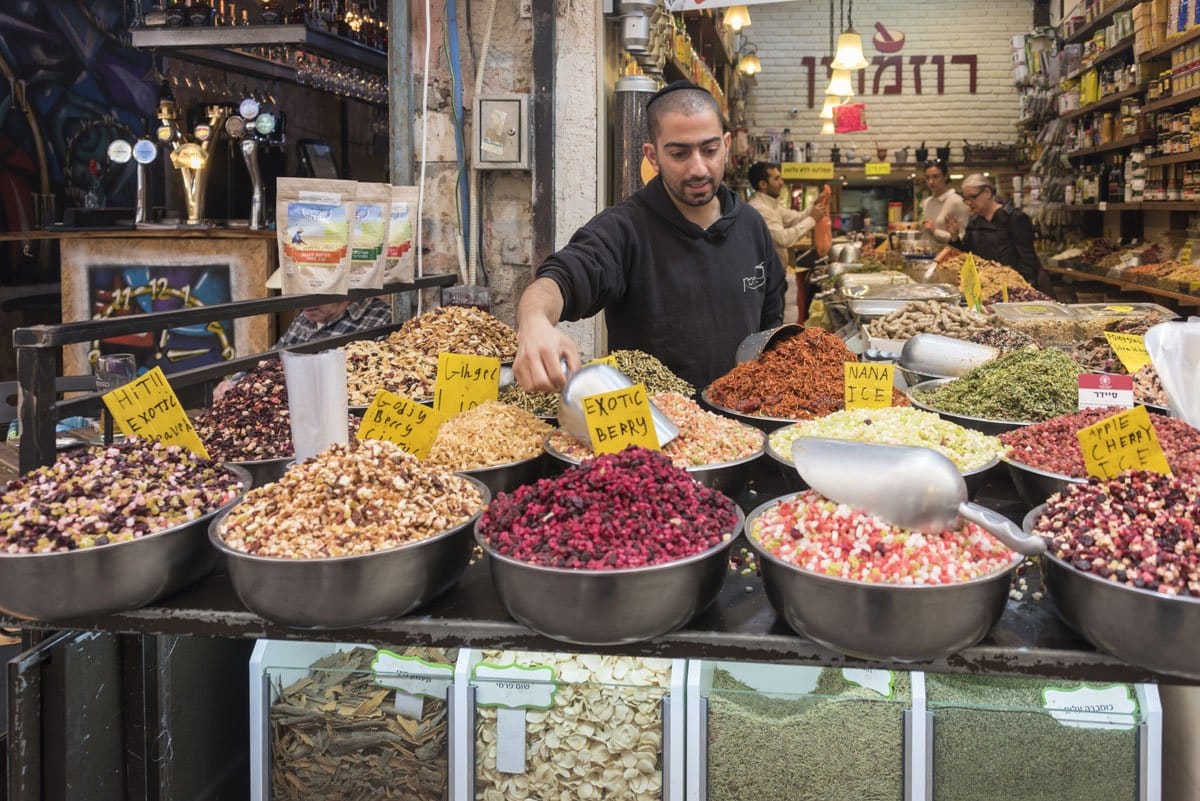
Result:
400,103
544,52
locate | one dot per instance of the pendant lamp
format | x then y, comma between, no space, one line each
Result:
827,128
738,17
849,47
839,84
748,63
827,109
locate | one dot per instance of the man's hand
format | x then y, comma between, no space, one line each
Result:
929,225
952,226
540,347
820,209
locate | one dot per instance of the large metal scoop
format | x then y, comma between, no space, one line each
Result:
593,380
915,488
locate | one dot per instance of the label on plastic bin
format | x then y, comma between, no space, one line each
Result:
395,418
463,382
147,407
879,681
412,675
1125,441
1130,349
1104,390
514,686
1111,707
868,385
618,419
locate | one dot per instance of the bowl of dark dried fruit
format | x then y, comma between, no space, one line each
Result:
1123,568
357,534
104,530
621,548
862,587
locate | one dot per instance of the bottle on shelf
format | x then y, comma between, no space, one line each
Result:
94,197
297,13
200,14
272,12
176,14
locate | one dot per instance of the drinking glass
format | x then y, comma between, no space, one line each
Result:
113,370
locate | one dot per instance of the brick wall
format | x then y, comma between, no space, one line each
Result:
788,32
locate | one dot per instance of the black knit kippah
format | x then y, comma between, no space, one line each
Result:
675,86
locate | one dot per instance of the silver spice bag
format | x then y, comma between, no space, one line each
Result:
368,230
313,221
398,251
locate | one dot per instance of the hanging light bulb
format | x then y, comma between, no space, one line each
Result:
737,17
827,128
748,63
849,52
827,109
839,84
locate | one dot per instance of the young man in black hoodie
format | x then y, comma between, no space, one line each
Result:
682,268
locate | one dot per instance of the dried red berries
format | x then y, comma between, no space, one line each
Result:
1141,530
622,510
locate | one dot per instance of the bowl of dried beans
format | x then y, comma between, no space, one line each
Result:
868,589
621,548
1123,566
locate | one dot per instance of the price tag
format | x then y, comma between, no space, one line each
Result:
395,418
620,418
463,382
1125,441
806,171
1104,390
609,360
878,680
412,675
514,686
147,407
1185,253
878,168
868,385
1130,349
969,284
1111,707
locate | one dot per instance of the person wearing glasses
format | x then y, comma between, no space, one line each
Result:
941,205
997,232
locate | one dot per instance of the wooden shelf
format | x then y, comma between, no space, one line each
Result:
1122,47
1128,286
1178,158
1171,44
1099,22
1173,100
703,30
1080,207
1105,102
1171,205
1120,144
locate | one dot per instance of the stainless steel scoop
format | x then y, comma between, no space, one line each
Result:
593,380
915,488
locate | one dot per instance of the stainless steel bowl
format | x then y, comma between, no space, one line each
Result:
510,475
610,607
728,477
973,478
977,423
264,471
1148,629
905,623
1033,485
767,424
90,582
349,591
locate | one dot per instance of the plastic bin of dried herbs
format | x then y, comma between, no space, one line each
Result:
336,735
844,742
993,740
1025,385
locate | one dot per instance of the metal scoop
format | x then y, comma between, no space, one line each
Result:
915,488
593,380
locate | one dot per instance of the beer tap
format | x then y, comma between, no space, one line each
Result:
189,153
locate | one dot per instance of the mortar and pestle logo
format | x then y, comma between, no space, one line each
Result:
887,41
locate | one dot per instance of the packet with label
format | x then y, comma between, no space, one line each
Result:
398,253
368,230
313,220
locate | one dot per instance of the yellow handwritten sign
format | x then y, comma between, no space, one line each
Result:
618,419
878,168
1004,293
463,382
1185,253
1125,441
1130,349
806,170
401,420
969,284
147,407
609,360
869,385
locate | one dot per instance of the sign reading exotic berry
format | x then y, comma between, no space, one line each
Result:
618,419
148,407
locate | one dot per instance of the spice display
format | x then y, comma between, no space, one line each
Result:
621,510
1097,249
843,743
98,496
797,379
457,329
1026,384
336,735
927,317
1003,338
704,438
1148,388
1015,295
1097,355
543,404
897,425
351,499
1050,324
1054,445
642,368
490,434
602,738
832,539
1140,529
993,741
994,277
372,366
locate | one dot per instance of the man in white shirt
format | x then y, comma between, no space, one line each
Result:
942,204
786,225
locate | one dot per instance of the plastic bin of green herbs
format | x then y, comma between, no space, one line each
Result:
843,742
993,740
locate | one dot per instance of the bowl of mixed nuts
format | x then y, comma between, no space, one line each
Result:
359,533
109,529
496,443
1123,569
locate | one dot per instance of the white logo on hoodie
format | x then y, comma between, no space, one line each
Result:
756,281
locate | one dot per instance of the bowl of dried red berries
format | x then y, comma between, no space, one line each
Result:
621,548
109,529
853,583
1123,566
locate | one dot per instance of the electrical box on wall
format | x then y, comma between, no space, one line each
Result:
502,133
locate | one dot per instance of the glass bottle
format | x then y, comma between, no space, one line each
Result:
272,12
296,15
176,14
200,14
94,197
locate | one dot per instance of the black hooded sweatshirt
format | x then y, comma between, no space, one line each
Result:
686,295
